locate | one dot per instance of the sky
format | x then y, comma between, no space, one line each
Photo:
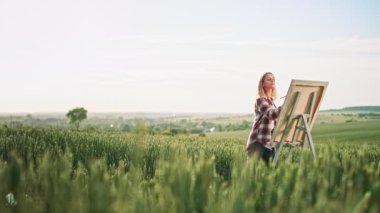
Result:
183,56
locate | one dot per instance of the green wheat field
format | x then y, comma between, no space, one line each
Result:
142,168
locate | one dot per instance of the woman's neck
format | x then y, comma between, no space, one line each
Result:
268,93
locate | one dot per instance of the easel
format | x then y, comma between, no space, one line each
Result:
303,122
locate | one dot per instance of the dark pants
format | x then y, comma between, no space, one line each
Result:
260,151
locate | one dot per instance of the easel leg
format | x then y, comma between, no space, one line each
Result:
290,153
277,154
309,139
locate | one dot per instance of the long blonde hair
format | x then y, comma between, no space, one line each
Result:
260,89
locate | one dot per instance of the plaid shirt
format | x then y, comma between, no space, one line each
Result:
266,115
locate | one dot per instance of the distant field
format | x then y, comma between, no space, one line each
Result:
365,131
323,117
356,132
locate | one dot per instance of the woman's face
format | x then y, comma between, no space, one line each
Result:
269,82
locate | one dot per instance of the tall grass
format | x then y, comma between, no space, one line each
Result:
53,170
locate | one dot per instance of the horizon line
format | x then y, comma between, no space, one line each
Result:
167,112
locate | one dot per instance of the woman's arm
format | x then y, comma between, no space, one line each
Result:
263,106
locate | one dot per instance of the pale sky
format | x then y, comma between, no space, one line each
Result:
183,56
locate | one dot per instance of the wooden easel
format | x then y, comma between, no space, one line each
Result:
302,126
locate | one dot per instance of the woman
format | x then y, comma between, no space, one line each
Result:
266,116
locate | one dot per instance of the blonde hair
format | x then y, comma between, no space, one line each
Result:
260,89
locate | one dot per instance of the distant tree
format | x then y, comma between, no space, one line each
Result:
125,127
76,116
196,131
